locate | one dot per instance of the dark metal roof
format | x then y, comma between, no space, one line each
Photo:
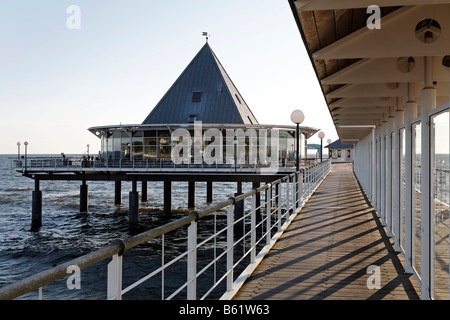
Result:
339,145
203,92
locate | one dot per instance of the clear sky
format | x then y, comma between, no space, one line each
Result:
56,82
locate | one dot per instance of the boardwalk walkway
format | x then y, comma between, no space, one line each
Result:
326,251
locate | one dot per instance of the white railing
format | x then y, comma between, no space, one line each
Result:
227,254
91,163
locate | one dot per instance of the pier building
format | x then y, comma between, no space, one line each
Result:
339,152
201,130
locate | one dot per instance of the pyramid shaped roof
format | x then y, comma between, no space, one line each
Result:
203,92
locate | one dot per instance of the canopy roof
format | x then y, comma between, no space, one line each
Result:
364,72
100,131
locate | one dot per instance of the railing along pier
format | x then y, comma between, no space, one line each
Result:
238,245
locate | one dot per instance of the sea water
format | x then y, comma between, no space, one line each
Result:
67,234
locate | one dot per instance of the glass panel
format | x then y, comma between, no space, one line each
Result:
150,141
109,147
383,177
125,150
164,141
150,133
165,152
416,200
137,145
402,186
116,145
439,203
137,150
387,180
150,151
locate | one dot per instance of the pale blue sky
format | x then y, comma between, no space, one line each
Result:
56,82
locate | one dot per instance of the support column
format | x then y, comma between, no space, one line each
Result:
410,114
118,193
399,119
36,207
428,103
84,197
373,192
191,194
133,215
378,157
383,172
167,197
389,175
144,196
209,191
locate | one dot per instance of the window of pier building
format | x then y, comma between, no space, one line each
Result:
127,145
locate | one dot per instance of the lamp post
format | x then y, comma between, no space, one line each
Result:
329,150
88,149
18,150
321,136
297,117
26,146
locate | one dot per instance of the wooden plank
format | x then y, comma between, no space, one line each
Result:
325,252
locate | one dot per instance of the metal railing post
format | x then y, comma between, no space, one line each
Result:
268,213
192,262
294,192
279,205
253,230
298,183
288,202
230,222
114,288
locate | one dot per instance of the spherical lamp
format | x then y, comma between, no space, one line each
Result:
297,116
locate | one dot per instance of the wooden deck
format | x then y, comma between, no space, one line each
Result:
326,251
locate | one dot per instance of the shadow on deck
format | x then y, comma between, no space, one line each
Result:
327,250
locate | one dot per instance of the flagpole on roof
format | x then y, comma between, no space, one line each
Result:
205,34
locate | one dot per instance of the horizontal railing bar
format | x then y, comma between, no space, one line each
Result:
43,278
156,271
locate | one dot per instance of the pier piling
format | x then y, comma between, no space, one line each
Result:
133,214
84,197
239,206
167,197
144,196
36,207
191,194
209,191
118,193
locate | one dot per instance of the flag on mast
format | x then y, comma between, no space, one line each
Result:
205,34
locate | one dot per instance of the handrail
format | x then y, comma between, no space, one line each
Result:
118,246
46,163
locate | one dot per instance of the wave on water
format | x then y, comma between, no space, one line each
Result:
67,233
